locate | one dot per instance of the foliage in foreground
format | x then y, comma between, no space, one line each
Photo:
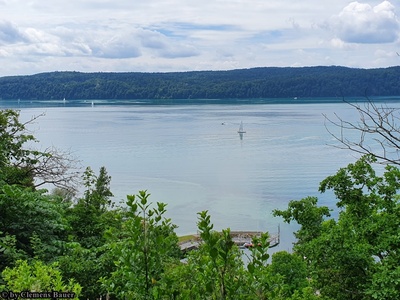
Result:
37,278
356,255
141,250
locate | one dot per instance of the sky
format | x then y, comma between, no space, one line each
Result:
189,35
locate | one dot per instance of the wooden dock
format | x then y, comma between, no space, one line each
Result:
240,238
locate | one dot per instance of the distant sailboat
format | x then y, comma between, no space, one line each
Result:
92,103
241,130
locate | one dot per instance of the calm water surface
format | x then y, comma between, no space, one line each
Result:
192,158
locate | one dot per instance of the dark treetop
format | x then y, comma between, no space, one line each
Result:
271,82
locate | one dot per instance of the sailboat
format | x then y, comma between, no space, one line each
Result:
241,130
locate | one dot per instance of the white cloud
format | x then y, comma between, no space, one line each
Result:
365,24
10,34
180,35
116,46
164,46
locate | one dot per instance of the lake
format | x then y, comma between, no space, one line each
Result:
190,155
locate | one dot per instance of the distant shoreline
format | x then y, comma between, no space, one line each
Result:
18,104
254,83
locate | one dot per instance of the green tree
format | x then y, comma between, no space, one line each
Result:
14,159
263,283
9,253
141,251
86,266
85,256
34,221
218,271
35,225
354,256
22,165
97,193
37,278
90,216
292,269
213,271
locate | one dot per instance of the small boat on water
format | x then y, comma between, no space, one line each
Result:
241,130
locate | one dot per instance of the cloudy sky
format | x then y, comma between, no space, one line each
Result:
180,35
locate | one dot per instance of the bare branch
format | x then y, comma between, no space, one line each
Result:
23,126
377,130
58,168
36,168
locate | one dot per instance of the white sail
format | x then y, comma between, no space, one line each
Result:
241,130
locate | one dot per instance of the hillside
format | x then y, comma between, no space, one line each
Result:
268,82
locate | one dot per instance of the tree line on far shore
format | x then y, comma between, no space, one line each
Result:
268,82
85,247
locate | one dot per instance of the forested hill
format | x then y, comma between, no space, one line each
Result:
268,82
